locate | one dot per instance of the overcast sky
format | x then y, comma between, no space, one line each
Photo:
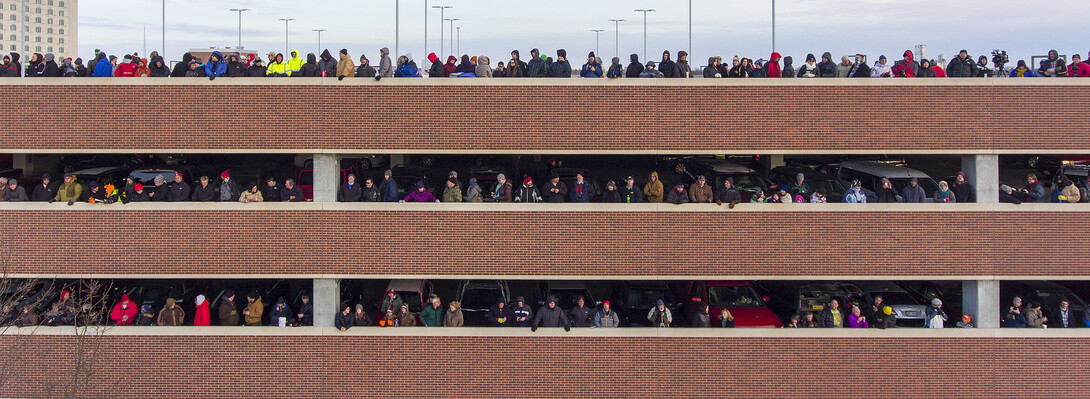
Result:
494,28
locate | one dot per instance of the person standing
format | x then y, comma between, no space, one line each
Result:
343,320
524,316
124,312
500,315
702,319
432,315
654,190
388,188
254,310
660,316
701,192
453,317
551,315
228,311
580,315
350,191
201,316
606,317
555,190
171,314
1064,316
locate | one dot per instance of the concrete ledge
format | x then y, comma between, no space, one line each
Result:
541,207
487,332
945,82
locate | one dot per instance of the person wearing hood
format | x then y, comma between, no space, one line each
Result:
678,195
925,70
365,70
809,69
1022,71
859,69
654,191
635,68
201,316
1065,191
345,67
536,68
616,70
451,66
882,68
522,315
12,68
327,66
295,64
385,64
827,68
844,69
944,195
788,68
1051,67
682,65
36,67
142,70
591,69
961,66
550,315
500,315
182,66
561,68
235,67
309,69
483,69
466,67
215,67
277,66
68,70
13,192
727,194
406,68
124,312
650,71
712,69
520,66
906,67
772,69
667,66
436,69
158,68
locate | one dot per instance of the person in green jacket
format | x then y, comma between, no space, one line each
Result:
432,315
452,193
70,191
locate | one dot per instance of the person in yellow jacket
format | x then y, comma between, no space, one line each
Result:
70,191
254,310
653,190
277,66
295,63
345,67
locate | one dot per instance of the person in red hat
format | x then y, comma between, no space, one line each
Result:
229,191
124,312
527,192
606,317
138,194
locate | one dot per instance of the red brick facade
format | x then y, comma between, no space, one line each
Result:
535,243
469,367
388,117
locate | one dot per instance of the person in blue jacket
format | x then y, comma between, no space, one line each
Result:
281,310
406,68
103,69
215,66
388,189
592,69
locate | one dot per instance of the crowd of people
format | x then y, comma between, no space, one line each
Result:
539,65
225,189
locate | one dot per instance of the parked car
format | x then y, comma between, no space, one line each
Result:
800,297
949,292
633,299
407,176
738,297
906,308
567,294
362,161
71,163
870,174
105,175
190,174
478,296
245,174
716,171
1047,293
785,176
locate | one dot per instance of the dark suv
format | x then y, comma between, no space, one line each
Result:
786,176
716,171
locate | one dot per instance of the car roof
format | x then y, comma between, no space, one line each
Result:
566,285
404,285
1043,285
723,166
878,286
1079,170
727,283
883,169
98,171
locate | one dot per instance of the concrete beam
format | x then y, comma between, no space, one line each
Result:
982,171
980,298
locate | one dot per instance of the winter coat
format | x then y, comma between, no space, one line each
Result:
591,70
581,192
524,312
560,69
635,68
346,67
859,70
913,195
365,70
388,189
559,195
362,319
1037,192
537,68
420,196
158,68
295,63
651,73
961,68
527,194
660,318
965,193
500,317
178,192
69,192
452,194
453,319
1070,193
203,193
925,72
170,316
788,69
327,65
432,316
683,69
307,310
281,310
806,70
903,69
385,65
407,70
700,194
276,68
615,71
228,313
180,67
857,322
889,195
827,319
606,319
702,320
580,316
483,69
611,197
853,196
125,311
390,304
550,317
828,69
308,70
943,197
201,316
654,190
350,193
1034,318
677,197
229,191
667,66
103,68
630,195
215,66
16,195
727,195
256,310
342,320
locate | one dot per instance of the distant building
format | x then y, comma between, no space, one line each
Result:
48,26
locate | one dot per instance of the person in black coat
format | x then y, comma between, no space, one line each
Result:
635,68
550,315
520,63
560,68
203,191
727,194
327,66
235,67
500,315
860,69
51,69
182,67
536,68
310,69
344,319
1064,316
961,66
291,192
436,70
45,191
667,66
257,69
580,315
158,68
350,191
305,315
179,191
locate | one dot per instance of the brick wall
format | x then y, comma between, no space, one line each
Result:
601,117
458,367
739,243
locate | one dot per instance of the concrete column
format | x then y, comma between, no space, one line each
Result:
327,177
22,161
982,171
327,301
774,161
980,298
397,159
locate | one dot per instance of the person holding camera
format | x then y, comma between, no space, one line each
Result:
1015,317
934,316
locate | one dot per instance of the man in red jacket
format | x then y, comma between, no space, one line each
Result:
1078,68
127,69
124,312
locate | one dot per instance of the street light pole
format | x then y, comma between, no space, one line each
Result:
442,18
773,25
286,20
164,28
597,34
645,31
617,36
425,28
459,40
240,11
690,28
452,20
320,39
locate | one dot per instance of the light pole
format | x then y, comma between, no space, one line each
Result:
773,25
164,28
397,28
452,20
286,20
617,36
425,29
690,28
320,39
645,32
597,33
459,40
442,13
240,11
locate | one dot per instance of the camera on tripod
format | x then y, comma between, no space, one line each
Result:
1000,58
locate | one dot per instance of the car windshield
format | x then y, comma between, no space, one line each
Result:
831,187
566,299
743,182
929,186
647,297
480,298
733,297
412,299
896,298
147,176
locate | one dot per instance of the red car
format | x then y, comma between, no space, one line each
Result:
306,180
738,297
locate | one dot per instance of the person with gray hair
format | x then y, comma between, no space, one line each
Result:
1015,317
12,192
1006,195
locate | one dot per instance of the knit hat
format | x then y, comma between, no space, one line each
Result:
881,57
171,301
124,297
228,293
551,299
13,182
226,174
800,176
591,55
93,184
138,187
660,303
562,53
527,180
520,299
605,303
936,302
160,179
419,184
388,172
